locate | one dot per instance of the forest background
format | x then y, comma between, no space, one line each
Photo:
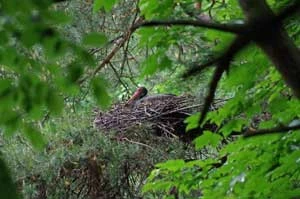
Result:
60,60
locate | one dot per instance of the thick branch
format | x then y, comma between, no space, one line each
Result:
279,129
274,40
232,28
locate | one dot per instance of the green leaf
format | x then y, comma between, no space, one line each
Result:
233,125
267,124
54,47
159,185
94,39
97,5
29,36
150,65
34,136
107,5
55,102
59,17
8,189
171,165
74,72
192,121
208,138
100,92
148,8
7,93
156,9
156,61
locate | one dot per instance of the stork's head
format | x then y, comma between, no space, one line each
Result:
141,92
138,94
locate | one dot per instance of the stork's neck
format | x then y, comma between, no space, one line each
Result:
138,94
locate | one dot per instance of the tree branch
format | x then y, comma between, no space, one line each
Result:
212,89
112,53
118,77
267,31
261,24
279,129
232,28
107,58
238,44
222,65
281,16
288,11
199,68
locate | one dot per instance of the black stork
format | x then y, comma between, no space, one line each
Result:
139,96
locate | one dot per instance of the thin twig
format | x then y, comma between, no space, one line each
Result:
119,44
118,76
138,143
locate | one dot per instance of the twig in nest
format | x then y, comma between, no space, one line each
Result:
164,113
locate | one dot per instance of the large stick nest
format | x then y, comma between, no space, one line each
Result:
163,113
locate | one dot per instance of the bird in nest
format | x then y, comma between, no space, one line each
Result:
140,97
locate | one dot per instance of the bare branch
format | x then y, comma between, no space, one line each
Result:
212,89
222,65
107,59
279,129
119,77
138,143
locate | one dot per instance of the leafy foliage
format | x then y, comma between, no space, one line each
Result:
48,56
258,98
39,68
7,186
65,167
31,53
